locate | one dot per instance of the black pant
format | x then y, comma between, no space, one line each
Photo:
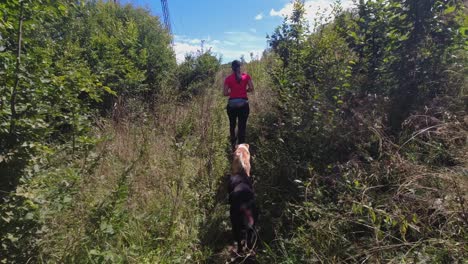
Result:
241,113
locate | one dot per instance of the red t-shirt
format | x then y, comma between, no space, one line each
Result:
238,90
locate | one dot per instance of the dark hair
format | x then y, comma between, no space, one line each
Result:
235,66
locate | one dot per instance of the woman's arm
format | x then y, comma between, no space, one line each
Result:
250,86
226,90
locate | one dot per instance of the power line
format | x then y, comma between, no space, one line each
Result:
167,19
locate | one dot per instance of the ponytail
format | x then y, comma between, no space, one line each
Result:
238,76
236,67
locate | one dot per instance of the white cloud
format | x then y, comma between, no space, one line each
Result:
243,37
314,9
231,46
184,45
282,12
244,44
182,49
195,41
229,43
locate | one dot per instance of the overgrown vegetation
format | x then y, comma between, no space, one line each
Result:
62,62
135,185
111,152
366,158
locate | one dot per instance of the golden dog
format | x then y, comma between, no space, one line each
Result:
241,160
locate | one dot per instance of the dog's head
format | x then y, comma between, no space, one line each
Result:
241,159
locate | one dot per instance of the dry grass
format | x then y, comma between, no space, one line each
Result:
146,193
261,100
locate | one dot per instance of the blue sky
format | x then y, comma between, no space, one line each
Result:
230,28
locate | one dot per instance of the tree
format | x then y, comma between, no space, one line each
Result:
62,62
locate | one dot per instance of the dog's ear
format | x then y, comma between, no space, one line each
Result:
236,146
247,145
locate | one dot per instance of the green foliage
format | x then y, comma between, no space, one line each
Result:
196,73
288,39
20,229
357,135
146,193
332,183
127,47
404,51
61,62
310,88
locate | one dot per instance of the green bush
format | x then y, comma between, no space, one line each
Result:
353,156
62,63
196,73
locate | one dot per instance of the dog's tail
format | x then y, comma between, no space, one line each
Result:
248,217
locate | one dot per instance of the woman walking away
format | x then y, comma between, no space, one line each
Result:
236,87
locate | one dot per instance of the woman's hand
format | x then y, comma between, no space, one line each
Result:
226,90
250,87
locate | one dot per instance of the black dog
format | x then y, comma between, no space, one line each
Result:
243,211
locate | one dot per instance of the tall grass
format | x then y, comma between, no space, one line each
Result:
152,190
148,193
392,200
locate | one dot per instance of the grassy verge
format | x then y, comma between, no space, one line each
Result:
149,192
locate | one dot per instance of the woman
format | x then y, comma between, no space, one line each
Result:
236,87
